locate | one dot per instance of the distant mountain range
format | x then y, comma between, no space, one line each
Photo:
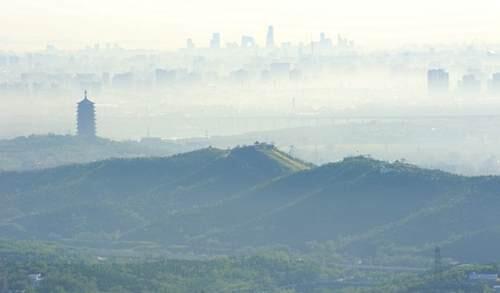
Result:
222,201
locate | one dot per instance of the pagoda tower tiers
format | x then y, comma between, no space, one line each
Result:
85,121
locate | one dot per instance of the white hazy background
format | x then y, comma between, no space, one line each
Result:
396,42
157,24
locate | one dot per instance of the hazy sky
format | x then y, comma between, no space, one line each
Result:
167,23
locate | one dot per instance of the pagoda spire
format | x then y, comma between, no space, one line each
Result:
85,120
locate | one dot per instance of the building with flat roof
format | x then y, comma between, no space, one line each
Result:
438,81
270,37
494,84
215,42
470,85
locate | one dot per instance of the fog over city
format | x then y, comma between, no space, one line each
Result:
206,71
249,146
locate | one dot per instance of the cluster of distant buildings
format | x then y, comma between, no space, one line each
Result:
60,73
492,279
247,42
438,83
111,67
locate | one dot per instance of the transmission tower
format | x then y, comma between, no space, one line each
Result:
438,267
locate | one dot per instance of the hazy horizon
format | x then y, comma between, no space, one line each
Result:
154,24
243,90
249,146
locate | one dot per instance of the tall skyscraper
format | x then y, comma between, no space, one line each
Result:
494,84
324,42
86,118
438,81
189,44
270,37
215,41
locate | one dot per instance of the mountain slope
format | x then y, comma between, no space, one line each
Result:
71,200
221,201
49,151
323,203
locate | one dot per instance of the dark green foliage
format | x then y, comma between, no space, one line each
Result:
453,279
80,273
215,201
45,151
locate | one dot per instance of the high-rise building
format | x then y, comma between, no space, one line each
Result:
247,42
324,42
270,37
279,70
86,118
189,44
438,81
123,80
470,85
164,77
215,41
495,83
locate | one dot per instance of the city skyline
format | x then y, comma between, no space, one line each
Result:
69,24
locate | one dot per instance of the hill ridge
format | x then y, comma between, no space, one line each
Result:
256,195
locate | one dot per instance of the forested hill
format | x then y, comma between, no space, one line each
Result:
48,151
96,200
213,201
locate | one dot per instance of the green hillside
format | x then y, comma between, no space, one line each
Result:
48,151
216,201
67,271
107,199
